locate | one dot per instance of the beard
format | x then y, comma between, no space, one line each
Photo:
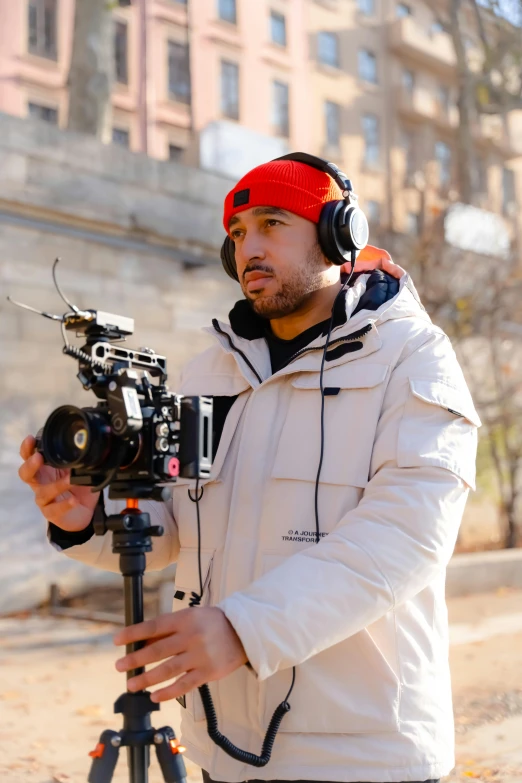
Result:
295,288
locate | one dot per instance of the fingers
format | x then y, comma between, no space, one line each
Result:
30,468
166,671
159,626
54,512
372,253
27,447
48,493
184,684
152,653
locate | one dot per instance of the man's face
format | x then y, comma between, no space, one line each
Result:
279,262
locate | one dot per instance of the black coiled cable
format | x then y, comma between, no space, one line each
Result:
210,713
229,747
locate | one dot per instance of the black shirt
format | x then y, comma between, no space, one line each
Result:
281,351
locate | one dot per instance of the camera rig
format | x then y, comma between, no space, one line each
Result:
140,436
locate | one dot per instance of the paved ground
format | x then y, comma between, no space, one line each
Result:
58,684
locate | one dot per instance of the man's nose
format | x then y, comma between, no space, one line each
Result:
252,248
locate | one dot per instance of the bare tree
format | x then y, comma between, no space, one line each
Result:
91,71
476,300
489,71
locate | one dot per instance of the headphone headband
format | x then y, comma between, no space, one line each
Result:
321,164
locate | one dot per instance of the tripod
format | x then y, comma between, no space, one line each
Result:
131,539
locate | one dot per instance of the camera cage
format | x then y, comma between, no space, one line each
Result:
119,377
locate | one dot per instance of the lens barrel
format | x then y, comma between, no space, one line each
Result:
76,437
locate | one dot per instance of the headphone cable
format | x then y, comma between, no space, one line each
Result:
321,374
212,724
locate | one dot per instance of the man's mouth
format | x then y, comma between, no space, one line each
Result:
255,281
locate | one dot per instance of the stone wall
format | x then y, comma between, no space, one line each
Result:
137,237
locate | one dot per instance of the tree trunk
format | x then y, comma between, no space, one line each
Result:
465,102
512,532
91,71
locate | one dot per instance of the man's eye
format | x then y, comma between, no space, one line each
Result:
235,234
272,221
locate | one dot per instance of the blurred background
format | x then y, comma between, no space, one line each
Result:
123,124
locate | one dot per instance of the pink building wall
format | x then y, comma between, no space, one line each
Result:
25,77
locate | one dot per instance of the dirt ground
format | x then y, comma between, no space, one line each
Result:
58,685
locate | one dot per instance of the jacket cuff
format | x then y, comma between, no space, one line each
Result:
64,539
253,646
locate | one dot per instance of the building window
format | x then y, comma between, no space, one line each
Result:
230,90
408,81
370,125
444,98
373,212
436,27
508,190
179,71
367,66
333,123
121,52
328,49
409,146
46,113
175,152
366,7
402,10
280,103
277,28
480,177
227,11
413,224
443,158
42,25
121,136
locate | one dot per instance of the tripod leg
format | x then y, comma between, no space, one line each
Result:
139,761
105,756
168,751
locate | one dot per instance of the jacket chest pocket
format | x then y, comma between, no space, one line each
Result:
352,403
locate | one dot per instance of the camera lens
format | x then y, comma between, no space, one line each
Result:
76,438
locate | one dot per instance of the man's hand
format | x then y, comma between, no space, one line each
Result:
197,645
372,257
68,506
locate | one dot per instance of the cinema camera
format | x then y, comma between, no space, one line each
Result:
140,437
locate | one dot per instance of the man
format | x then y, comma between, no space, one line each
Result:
360,614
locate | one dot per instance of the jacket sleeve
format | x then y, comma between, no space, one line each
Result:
398,538
97,550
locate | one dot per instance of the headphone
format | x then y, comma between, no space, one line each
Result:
342,229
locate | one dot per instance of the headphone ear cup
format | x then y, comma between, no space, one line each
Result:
228,258
342,229
326,231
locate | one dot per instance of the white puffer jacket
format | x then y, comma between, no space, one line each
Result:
362,614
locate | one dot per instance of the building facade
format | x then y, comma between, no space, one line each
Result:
370,84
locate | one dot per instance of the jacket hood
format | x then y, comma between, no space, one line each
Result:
375,290
372,300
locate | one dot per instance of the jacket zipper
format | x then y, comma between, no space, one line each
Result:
348,339
217,327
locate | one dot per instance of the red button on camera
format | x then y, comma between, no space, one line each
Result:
173,467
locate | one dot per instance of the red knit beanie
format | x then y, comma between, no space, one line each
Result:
287,184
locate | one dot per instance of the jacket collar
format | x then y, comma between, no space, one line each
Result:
367,292
251,352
